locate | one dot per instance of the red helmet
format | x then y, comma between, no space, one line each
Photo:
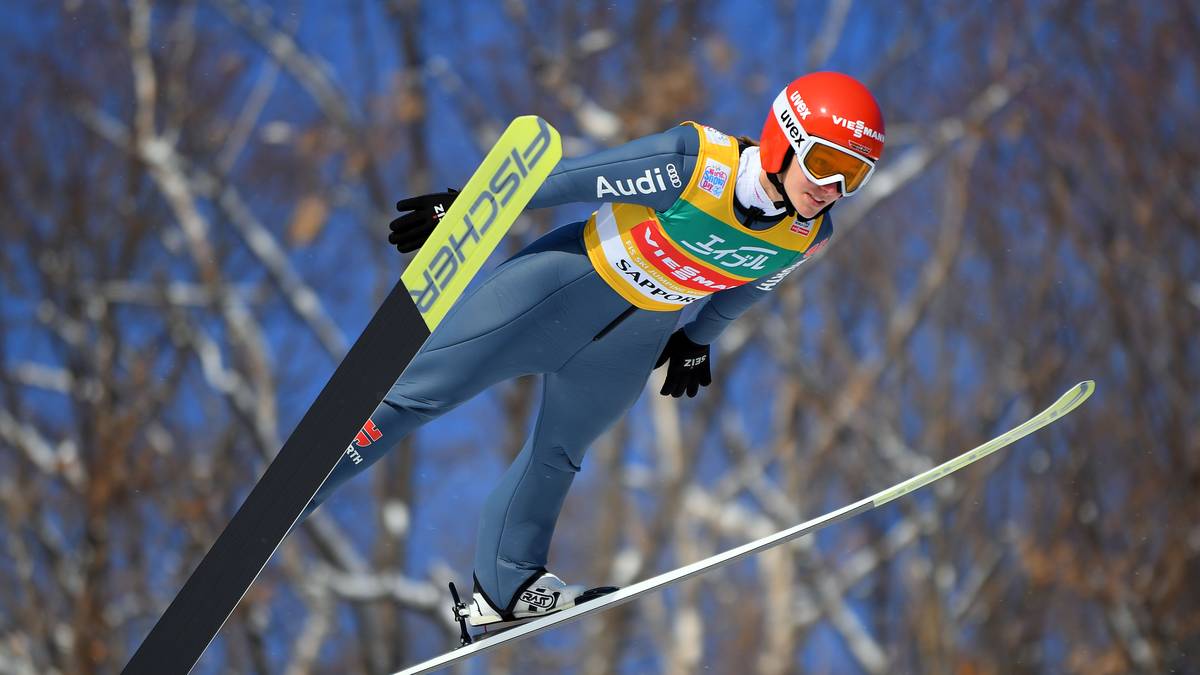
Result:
832,123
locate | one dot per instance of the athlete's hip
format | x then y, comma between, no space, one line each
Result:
557,265
546,298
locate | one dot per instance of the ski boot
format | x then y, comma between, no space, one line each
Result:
543,594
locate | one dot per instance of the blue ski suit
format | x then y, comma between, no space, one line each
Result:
547,311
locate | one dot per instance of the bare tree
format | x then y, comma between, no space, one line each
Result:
194,195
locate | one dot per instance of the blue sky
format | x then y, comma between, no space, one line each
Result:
473,41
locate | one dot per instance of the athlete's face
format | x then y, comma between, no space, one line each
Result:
808,197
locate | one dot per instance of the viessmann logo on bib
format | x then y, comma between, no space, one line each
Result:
638,260
673,263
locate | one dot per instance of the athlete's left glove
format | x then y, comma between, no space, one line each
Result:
411,230
689,366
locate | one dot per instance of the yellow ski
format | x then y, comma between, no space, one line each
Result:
487,206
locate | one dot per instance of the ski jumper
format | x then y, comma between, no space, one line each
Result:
589,306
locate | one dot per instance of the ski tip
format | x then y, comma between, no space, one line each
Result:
1075,396
537,126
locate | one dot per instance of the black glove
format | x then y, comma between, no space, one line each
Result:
689,366
411,230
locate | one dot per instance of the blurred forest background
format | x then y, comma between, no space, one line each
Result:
194,197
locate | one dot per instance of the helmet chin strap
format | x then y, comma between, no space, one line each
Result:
786,203
775,180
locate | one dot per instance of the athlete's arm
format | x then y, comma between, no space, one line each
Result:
651,171
720,309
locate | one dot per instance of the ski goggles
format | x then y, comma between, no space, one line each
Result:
823,162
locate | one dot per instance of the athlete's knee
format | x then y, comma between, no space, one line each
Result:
563,459
422,409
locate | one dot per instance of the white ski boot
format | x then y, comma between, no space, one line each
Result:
543,594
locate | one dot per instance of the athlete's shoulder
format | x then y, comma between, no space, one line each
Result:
683,139
823,235
714,136
693,132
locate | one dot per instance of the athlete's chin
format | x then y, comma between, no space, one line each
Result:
808,205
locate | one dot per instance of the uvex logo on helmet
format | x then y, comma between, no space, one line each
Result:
787,122
799,104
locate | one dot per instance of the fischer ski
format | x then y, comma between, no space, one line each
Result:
1065,404
483,212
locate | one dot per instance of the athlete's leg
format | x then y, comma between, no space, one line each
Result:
579,401
508,326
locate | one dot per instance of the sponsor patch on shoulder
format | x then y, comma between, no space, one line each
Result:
714,178
715,136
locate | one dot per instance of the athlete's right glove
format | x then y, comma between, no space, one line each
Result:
689,366
411,230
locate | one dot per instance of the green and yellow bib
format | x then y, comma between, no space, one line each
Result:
665,261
